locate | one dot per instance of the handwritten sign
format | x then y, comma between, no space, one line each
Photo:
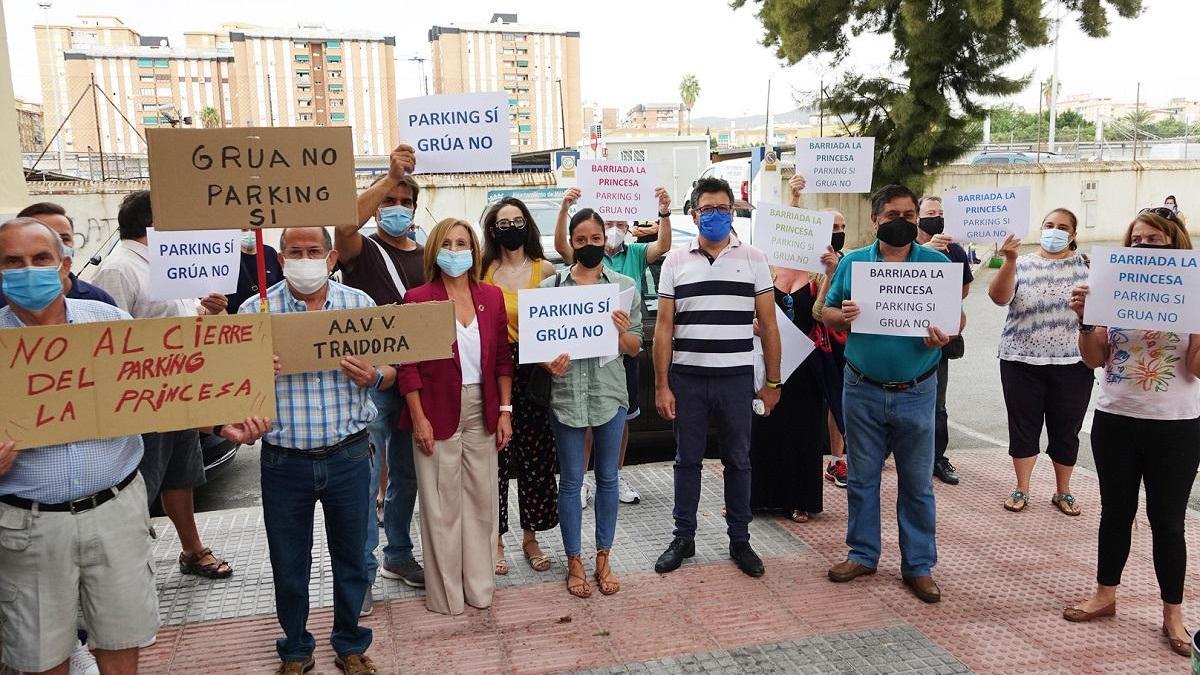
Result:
309,342
794,348
618,190
192,264
1150,289
791,237
100,380
987,215
906,298
456,133
218,179
575,320
836,165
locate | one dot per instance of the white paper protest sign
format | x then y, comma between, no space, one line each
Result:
1143,288
794,349
192,263
906,298
575,320
836,165
791,237
987,215
625,302
618,190
455,133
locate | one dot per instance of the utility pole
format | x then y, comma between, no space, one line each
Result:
562,111
96,115
1054,77
420,61
1137,115
54,84
270,100
821,106
767,122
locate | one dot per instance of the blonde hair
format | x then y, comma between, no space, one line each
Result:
433,246
1179,236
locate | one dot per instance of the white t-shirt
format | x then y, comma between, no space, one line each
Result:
469,352
1146,376
1041,328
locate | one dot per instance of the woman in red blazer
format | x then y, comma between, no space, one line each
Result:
460,412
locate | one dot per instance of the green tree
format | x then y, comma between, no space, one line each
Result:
210,118
947,54
689,91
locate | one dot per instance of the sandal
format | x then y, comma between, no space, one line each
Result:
604,577
538,561
577,584
1066,503
799,516
501,566
218,569
1017,501
1180,647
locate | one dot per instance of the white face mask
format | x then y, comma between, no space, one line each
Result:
613,238
306,275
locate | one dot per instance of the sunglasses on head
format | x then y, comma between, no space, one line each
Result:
1162,212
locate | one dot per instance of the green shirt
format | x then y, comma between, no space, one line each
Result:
630,261
883,358
589,394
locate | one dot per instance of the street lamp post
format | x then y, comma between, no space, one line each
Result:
45,6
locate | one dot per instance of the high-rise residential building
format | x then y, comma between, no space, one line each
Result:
537,66
29,126
666,116
608,118
239,75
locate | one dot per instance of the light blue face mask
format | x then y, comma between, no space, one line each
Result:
455,263
32,288
69,252
395,220
249,242
1055,240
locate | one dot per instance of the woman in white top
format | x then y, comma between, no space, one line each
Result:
1146,430
1041,372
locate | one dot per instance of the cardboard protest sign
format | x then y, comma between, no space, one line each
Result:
618,190
575,320
1144,288
309,342
99,380
836,165
906,298
456,133
987,215
192,264
794,348
791,237
218,179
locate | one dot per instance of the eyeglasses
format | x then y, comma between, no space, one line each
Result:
705,210
518,223
1162,212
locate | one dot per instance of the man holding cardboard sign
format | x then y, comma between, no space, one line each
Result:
319,450
74,515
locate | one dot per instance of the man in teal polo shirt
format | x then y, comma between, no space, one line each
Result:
888,399
630,259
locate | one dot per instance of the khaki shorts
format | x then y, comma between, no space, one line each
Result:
55,565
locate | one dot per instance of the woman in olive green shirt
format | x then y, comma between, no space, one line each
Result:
591,393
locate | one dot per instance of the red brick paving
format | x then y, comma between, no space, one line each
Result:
1005,578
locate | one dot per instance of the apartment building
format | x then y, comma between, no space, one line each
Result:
537,66
29,126
668,116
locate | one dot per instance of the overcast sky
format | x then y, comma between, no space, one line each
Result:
636,51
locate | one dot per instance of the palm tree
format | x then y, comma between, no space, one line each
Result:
1047,87
689,89
210,118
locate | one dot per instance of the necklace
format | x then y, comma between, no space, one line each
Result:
519,267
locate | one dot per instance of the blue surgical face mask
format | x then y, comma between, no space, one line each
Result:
1055,240
68,251
395,220
455,263
32,288
249,241
715,225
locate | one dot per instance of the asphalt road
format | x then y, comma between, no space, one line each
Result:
974,401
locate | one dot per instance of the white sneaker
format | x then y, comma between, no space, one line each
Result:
82,661
585,493
626,494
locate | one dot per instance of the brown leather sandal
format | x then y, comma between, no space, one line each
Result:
218,569
1180,647
605,579
577,584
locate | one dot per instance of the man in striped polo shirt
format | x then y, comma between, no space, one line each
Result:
708,297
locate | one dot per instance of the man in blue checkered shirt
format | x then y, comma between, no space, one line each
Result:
319,450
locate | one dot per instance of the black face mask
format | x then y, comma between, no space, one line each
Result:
838,241
590,255
1158,246
512,238
933,225
897,232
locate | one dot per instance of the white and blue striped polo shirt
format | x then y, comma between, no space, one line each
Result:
714,306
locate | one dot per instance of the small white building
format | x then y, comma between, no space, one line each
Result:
678,160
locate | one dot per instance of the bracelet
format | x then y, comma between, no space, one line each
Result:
378,379
772,384
1086,327
665,215
506,408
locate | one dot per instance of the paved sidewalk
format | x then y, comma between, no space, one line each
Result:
1004,577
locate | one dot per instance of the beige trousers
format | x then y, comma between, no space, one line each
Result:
458,488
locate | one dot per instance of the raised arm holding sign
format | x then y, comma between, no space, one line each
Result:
618,190
457,133
836,165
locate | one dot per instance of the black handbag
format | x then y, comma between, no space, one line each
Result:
955,348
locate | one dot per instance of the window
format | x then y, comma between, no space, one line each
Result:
522,63
337,117
150,121
335,102
523,90
305,102
512,102
162,63
508,50
333,58
304,88
510,76
304,117
508,37
147,91
149,106
524,115
633,155
145,78
163,78
335,73
509,63
526,141
525,128
333,44
300,44
302,58
522,50
145,63
335,87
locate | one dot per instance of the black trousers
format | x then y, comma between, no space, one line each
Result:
941,420
1058,395
1163,454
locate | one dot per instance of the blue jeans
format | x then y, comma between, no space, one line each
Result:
291,487
606,446
879,421
401,496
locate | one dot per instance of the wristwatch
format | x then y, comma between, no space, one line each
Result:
506,408
665,215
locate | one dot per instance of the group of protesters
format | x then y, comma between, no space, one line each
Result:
368,442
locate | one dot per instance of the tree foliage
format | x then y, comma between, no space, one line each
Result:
948,54
210,118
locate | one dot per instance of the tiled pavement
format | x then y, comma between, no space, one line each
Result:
1004,576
